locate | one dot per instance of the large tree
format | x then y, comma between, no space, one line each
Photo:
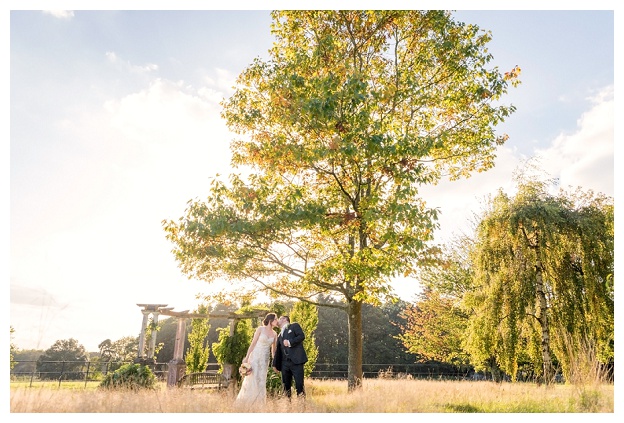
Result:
352,113
66,358
123,350
543,266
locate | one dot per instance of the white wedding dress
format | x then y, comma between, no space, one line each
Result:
253,388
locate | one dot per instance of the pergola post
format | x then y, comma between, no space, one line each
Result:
155,310
146,314
177,366
153,333
227,368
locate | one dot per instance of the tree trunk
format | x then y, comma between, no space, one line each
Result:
354,313
543,321
495,370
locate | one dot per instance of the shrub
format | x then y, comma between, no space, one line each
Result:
273,383
232,349
130,376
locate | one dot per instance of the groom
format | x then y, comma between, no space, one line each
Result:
290,355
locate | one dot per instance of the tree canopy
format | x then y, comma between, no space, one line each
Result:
63,359
352,113
543,267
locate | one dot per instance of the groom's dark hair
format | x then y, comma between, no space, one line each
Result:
287,318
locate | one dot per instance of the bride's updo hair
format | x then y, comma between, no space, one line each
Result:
269,318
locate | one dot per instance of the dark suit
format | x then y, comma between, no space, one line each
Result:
290,361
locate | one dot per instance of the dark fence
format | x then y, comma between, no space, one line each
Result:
439,371
88,371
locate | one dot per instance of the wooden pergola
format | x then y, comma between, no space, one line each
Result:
177,366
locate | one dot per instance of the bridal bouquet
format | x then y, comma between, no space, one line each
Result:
245,369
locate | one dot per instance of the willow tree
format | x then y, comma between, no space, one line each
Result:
543,265
352,113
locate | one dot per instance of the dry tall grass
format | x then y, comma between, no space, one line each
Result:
376,396
584,368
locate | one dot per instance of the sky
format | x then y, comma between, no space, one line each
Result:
115,125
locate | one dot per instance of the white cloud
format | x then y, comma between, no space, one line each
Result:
125,65
586,157
60,14
164,113
211,95
224,80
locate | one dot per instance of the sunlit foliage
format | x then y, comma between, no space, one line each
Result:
350,115
543,266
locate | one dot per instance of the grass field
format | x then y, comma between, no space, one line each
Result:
376,396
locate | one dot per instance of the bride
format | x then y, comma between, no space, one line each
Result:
253,388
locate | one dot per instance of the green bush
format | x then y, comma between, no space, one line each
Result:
306,315
273,382
130,376
232,349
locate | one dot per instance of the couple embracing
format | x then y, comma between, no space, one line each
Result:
286,353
